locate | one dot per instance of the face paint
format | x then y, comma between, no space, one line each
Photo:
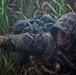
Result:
63,39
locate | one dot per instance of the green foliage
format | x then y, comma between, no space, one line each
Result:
62,8
56,8
5,66
3,17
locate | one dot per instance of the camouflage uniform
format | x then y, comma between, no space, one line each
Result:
67,24
38,45
30,44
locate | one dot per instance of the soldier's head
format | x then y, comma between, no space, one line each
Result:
64,30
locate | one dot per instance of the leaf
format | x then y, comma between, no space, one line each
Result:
7,20
51,7
21,14
4,58
2,2
70,7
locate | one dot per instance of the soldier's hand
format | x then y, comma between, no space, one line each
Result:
1,40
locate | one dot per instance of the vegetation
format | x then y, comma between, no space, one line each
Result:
13,10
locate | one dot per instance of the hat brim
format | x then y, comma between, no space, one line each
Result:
54,30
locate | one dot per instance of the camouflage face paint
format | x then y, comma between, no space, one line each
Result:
63,39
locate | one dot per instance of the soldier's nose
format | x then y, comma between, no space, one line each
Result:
62,35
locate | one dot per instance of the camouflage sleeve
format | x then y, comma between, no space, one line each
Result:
31,43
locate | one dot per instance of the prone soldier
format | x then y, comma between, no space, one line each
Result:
52,52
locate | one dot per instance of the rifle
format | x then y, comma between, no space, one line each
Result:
62,57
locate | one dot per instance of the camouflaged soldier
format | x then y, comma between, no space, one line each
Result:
51,51
38,45
64,32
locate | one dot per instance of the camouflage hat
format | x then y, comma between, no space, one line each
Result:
66,23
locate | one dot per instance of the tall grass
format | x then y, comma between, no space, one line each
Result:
4,22
56,8
5,66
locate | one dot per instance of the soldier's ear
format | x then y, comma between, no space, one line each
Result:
1,40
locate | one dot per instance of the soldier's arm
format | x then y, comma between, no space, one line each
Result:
31,43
